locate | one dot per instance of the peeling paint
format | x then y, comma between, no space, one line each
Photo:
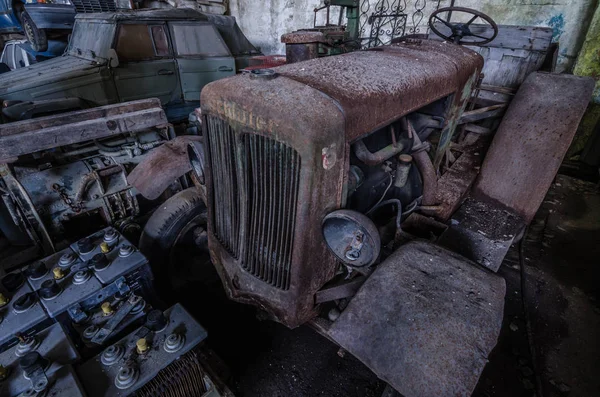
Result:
557,23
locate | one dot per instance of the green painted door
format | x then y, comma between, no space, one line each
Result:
201,56
146,68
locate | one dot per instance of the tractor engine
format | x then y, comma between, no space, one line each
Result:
287,147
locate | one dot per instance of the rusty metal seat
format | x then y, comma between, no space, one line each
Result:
424,321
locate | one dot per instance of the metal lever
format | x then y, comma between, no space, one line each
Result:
165,72
225,69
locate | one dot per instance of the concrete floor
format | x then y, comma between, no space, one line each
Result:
562,273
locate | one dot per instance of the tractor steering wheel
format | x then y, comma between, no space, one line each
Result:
457,31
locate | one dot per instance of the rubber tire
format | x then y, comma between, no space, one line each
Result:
36,37
163,228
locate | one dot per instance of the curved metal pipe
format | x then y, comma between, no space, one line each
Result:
371,159
425,166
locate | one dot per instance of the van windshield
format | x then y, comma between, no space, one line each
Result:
91,39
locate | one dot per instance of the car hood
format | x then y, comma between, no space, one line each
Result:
44,73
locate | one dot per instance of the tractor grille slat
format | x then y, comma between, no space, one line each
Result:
273,171
87,6
259,193
226,208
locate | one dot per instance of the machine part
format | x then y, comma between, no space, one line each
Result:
36,270
183,377
546,111
85,246
41,365
142,346
81,277
197,160
126,377
355,178
22,314
35,227
89,333
335,291
126,250
49,290
43,133
424,321
77,312
277,260
156,321
116,318
58,295
111,237
107,309
3,300
302,45
174,343
58,273
162,166
26,345
482,232
458,31
170,225
371,159
24,302
352,237
402,170
13,281
427,170
94,372
99,262
112,354
67,259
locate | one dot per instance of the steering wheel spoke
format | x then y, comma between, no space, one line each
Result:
459,30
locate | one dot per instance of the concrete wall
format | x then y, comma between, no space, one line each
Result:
265,21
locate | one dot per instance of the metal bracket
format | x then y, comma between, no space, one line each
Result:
78,311
110,326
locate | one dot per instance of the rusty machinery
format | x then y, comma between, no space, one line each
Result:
338,194
327,39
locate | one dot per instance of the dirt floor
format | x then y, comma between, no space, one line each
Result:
560,326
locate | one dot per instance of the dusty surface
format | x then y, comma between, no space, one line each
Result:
562,273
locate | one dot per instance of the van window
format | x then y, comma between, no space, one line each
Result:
141,42
202,40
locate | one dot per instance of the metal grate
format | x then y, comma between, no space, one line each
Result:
94,5
226,197
273,173
259,193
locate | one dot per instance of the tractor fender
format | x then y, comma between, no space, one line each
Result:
162,166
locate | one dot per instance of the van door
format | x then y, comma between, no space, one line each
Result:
201,55
146,65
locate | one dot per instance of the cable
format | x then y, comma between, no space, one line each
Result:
383,195
538,381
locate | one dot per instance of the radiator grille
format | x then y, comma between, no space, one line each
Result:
267,175
272,185
226,197
94,5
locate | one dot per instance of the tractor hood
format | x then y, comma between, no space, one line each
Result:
45,80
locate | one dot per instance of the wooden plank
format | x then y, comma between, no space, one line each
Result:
17,144
481,114
531,38
64,119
